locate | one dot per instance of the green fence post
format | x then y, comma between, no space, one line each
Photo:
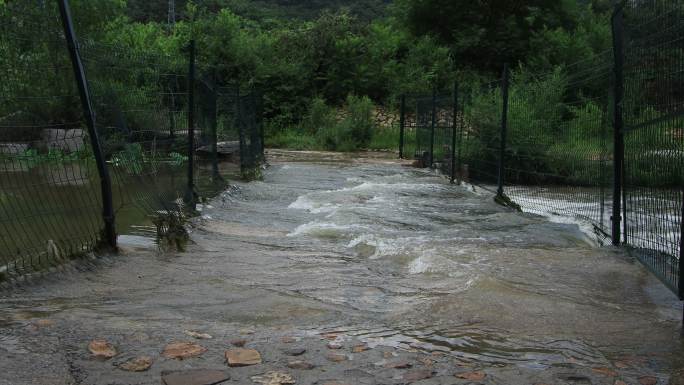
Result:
213,122
504,129
241,130
89,115
190,193
461,128
402,126
618,124
454,128
432,127
681,254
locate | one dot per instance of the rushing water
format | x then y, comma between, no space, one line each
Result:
387,254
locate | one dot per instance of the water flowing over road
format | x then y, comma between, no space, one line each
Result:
363,250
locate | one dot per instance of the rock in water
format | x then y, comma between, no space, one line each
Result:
183,350
198,335
242,357
301,365
102,349
294,351
139,364
334,357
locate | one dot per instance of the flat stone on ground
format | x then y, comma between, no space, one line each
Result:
335,357
294,351
242,357
198,335
138,364
183,350
102,349
195,377
334,345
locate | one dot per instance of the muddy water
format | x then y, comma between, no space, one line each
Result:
374,252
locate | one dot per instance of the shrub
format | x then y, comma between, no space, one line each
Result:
320,116
359,122
353,132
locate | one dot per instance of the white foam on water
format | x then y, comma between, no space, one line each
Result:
388,246
325,229
383,247
371,186
430,261
378,199
585,227
305,202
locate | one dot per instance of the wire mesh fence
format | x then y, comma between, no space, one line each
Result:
427,128
251,133
45,156
560,155
157,123
601,140
653,111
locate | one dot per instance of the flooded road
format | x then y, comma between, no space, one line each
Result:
365,251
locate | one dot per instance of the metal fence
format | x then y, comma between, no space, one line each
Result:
90,132
601,140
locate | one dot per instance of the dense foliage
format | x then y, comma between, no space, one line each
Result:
354,56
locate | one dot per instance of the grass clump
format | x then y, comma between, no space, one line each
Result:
350,128
171,230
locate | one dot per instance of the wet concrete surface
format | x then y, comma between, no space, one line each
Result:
359,251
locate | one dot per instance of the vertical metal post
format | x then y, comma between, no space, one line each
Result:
190,193
504,128
216,175
89,115
454,128
461,128
618,124
261,127
680,284
172,110
241,130
432,127
255,130
681,252
402,126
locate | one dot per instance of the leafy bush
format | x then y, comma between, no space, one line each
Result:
354,131
359,121
320,116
